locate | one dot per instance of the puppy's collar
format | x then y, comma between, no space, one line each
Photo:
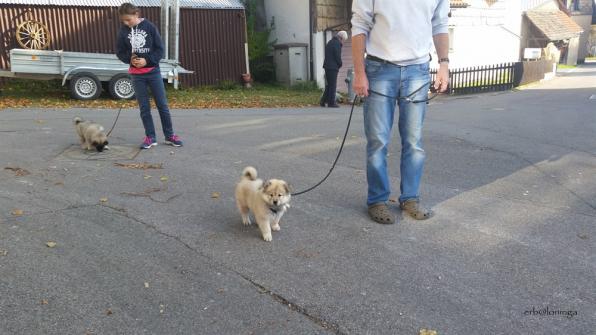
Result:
274,210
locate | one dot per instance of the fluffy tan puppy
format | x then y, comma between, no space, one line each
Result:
268,201
91,135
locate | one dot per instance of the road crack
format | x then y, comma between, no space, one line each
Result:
320,321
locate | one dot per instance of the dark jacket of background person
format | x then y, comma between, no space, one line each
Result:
333,55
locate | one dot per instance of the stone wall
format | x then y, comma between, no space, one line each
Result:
331,13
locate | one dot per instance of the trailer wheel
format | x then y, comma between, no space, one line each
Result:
121,87
85,86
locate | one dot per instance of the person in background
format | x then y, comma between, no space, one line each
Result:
332,64
140,45
397,37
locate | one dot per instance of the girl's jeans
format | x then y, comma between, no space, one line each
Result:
393,80
154,81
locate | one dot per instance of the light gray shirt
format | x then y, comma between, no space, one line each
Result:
400,31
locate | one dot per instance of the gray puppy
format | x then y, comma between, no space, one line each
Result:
91,135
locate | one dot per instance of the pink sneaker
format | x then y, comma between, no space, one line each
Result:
174,140
148,142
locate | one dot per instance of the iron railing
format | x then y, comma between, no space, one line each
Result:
477,79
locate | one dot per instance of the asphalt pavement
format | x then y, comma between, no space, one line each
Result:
511,176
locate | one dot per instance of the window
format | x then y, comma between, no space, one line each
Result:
572,4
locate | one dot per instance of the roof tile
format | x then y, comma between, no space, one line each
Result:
555,25
458,4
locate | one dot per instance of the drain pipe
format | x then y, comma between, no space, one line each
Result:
311,9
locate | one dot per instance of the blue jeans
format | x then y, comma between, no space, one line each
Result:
393,80
154,81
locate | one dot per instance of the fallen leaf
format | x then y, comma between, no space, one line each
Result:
161,308
427,332
3,252
17,212
215,195
19,172
221,290
40,121
146,285
171,152
103,199
164,178
583,236
44,302
109,311
140,166
147,177
51,244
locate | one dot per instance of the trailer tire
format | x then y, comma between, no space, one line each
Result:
121,87
85,86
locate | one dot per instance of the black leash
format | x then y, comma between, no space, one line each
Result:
115,121
407,98
341,148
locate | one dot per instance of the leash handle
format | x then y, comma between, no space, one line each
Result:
341,148
408,98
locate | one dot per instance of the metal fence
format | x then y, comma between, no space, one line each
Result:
478,79
498,77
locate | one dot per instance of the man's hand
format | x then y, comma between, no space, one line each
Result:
139,62
442,79
361,84
442,46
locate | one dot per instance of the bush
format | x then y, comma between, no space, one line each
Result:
263,70
259,46
226,85
306,86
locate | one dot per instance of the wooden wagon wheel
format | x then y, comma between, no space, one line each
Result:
33,34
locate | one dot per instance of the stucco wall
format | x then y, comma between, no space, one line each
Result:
483,34
583,17
291,20
584,21
593,41
319,41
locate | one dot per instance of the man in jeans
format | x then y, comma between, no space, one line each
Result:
397,37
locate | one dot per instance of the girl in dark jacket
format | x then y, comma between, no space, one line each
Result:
140,45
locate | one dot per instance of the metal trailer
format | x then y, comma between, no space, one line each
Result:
85,72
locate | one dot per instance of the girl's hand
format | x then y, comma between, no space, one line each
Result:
139,62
